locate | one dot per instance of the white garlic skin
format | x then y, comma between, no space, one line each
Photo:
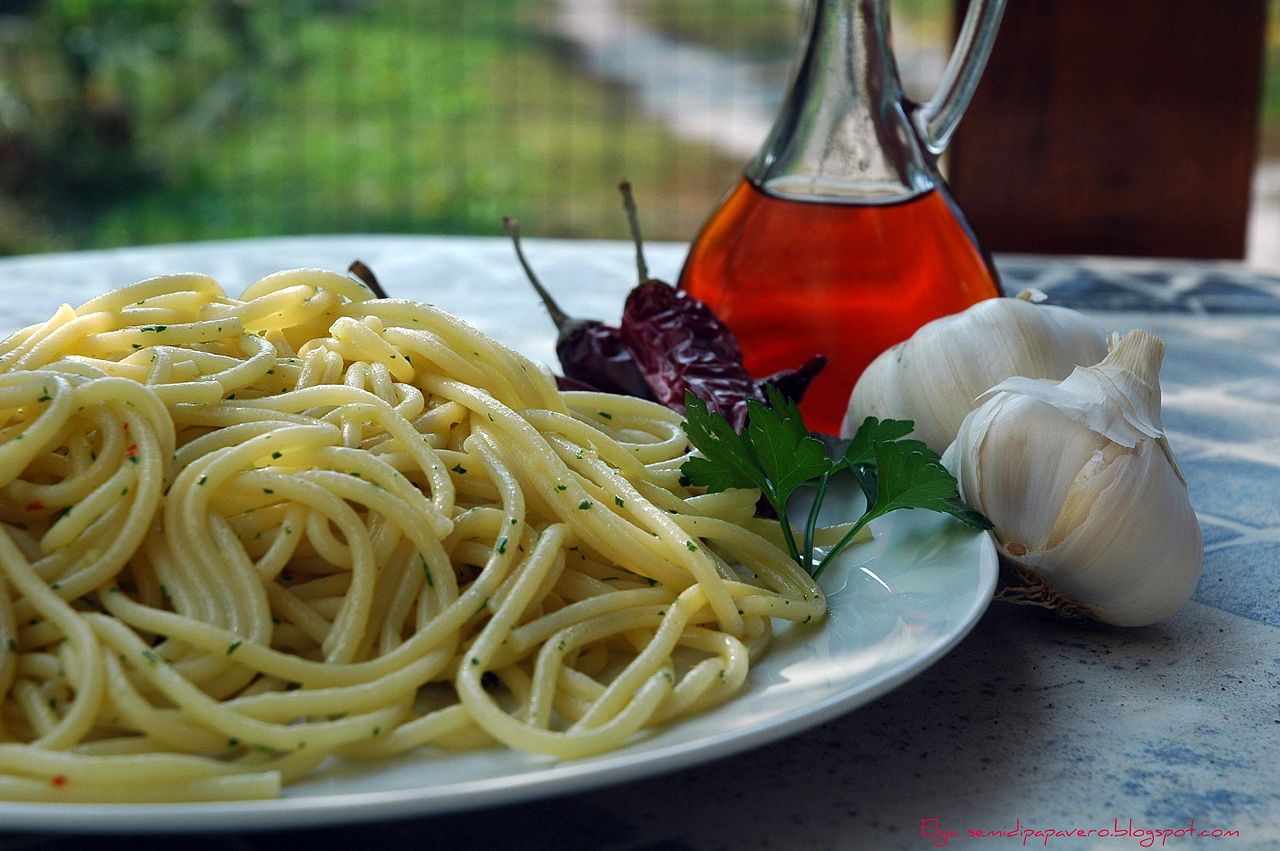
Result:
934,377
1110,527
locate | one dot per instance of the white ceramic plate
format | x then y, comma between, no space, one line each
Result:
897,605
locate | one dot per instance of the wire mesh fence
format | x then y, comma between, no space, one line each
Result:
136,121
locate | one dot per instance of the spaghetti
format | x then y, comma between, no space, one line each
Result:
241,536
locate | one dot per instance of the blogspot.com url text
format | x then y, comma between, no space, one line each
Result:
1145,837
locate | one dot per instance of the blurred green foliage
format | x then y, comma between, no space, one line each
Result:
167,120
1270,142
91,89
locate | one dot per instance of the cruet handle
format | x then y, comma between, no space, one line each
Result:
936,119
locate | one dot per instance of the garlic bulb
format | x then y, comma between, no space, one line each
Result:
1083,489
934,377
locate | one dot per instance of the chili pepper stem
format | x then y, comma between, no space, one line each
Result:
558,316
366,276
633,219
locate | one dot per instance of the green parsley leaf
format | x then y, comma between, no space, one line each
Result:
726,460
788,455
910,477
777,454
860,455
862,448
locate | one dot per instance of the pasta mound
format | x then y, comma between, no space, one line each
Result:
242,536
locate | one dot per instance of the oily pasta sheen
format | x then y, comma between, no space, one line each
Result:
242,536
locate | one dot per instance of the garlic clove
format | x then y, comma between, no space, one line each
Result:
1122,547
1023,477
934,377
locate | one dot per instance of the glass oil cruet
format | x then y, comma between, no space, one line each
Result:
842,237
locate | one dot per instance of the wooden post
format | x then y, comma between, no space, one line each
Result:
1115,127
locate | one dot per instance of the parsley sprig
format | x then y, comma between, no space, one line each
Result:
776,453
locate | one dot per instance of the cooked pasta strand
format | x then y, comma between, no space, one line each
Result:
239,537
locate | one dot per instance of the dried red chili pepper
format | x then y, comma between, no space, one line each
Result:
365,275
668,342
793,382
591,353
600,359
680,345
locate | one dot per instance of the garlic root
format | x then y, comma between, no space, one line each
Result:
1036,592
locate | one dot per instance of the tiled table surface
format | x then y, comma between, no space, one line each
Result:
1030,720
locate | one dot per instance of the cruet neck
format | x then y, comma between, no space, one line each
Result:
843,134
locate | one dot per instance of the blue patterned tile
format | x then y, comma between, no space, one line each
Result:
1243,579
1219,424
1215,533
1152,286
1260,390
1210,808
1211,363
1244,491
1168,752
1095,292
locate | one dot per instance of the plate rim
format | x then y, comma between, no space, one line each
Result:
557,779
